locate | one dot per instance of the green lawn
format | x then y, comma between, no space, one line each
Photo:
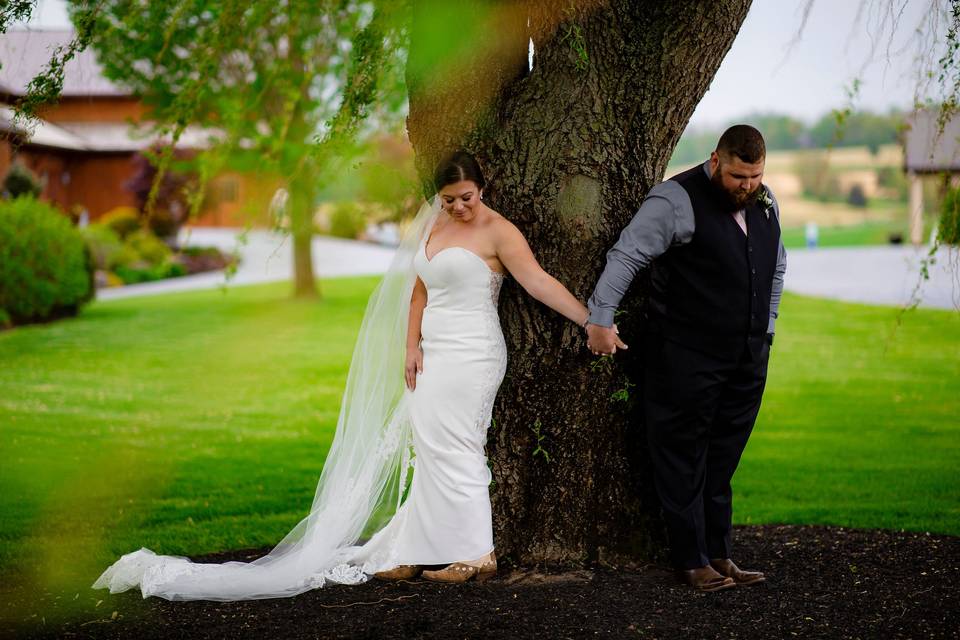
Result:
198,422
184,423
860,423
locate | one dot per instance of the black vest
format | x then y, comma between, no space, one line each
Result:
713,293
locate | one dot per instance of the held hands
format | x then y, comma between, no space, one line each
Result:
604,340
413,366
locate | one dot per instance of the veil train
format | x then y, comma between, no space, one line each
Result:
361,485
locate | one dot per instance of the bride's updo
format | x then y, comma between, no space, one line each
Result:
458,166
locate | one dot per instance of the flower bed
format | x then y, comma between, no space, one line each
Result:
125,253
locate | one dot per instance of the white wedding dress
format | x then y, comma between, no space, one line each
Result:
446,515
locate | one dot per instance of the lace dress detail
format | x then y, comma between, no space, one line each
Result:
340,574
495,373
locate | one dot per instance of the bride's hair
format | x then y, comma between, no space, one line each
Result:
458,166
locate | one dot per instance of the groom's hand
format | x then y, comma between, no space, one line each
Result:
603,340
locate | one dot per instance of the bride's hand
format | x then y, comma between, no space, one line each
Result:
413,366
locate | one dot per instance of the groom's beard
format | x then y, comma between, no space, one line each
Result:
735,200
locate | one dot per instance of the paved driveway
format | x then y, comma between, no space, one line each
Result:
266,257
886,275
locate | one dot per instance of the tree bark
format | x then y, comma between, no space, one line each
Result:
569,149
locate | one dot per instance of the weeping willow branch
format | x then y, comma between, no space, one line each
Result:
371,48
186,104
15,11
45,88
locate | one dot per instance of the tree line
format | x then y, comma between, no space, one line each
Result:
783,133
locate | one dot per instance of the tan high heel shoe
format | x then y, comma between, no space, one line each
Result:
458,572
402,572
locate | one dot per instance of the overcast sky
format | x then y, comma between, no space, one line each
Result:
761,74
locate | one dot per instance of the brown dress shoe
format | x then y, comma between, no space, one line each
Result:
725,566
403,572
706,579
460,572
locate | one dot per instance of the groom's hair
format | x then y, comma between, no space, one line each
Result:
455,167
743,141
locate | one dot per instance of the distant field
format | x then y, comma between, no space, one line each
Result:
795,211
889,155
850,165
867,233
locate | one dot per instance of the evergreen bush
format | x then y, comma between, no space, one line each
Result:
20,181
46,270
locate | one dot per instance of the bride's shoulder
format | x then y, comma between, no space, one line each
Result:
502,231
498,223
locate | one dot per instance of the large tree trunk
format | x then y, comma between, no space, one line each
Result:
303,190
301,223
569,149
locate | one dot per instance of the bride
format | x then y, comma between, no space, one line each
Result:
405,483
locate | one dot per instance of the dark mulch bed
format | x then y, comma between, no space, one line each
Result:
823,582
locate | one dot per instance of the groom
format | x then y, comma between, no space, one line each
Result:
711,239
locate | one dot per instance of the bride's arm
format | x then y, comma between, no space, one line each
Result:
515,254
414,360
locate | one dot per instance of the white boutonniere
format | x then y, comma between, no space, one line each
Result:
765,201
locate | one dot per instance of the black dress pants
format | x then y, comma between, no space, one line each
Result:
700,410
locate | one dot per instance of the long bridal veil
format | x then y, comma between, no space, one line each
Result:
361,485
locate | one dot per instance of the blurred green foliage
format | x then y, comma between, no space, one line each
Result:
122,221
20,181
948,231
142,257
816,179
106,247
46,270
347,220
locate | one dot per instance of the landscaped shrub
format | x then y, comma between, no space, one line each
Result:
149,247
122,220
133,275
20,181
105,246
347,220
46,270
127,257
143,257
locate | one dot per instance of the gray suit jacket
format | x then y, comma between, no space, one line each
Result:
664,219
